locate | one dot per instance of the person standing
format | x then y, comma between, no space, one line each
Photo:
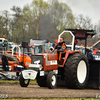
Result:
89,54
5,62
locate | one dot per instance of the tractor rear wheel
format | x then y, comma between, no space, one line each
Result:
23,82
76,71
51,80
41,80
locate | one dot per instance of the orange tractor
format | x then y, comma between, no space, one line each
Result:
17,60
75,69
19,57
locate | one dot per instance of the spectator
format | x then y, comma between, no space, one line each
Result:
5,62
89,54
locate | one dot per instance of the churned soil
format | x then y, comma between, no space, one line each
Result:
34,91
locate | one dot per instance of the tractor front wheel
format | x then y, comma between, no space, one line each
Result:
41,80
23,82
76,71
51,80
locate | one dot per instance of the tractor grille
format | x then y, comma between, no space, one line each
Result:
37,58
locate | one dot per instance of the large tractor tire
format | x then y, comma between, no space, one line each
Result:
41,80
23,82
51,80
76,71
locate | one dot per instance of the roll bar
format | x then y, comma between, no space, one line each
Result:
73,38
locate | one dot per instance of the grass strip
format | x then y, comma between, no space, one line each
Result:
15,81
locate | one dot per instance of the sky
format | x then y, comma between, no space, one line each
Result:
7,4
89,8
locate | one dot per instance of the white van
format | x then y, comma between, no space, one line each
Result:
3,43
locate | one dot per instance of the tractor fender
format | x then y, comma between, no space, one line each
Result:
68,53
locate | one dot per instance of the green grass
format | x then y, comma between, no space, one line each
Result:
13,81
8,81
33,82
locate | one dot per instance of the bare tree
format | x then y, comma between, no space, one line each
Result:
81,21
97,28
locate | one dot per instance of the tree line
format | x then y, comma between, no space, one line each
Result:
40,20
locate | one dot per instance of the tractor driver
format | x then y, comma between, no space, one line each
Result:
61,48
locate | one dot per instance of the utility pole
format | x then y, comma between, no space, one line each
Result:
37,32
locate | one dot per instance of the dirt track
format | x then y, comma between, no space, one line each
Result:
34,91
